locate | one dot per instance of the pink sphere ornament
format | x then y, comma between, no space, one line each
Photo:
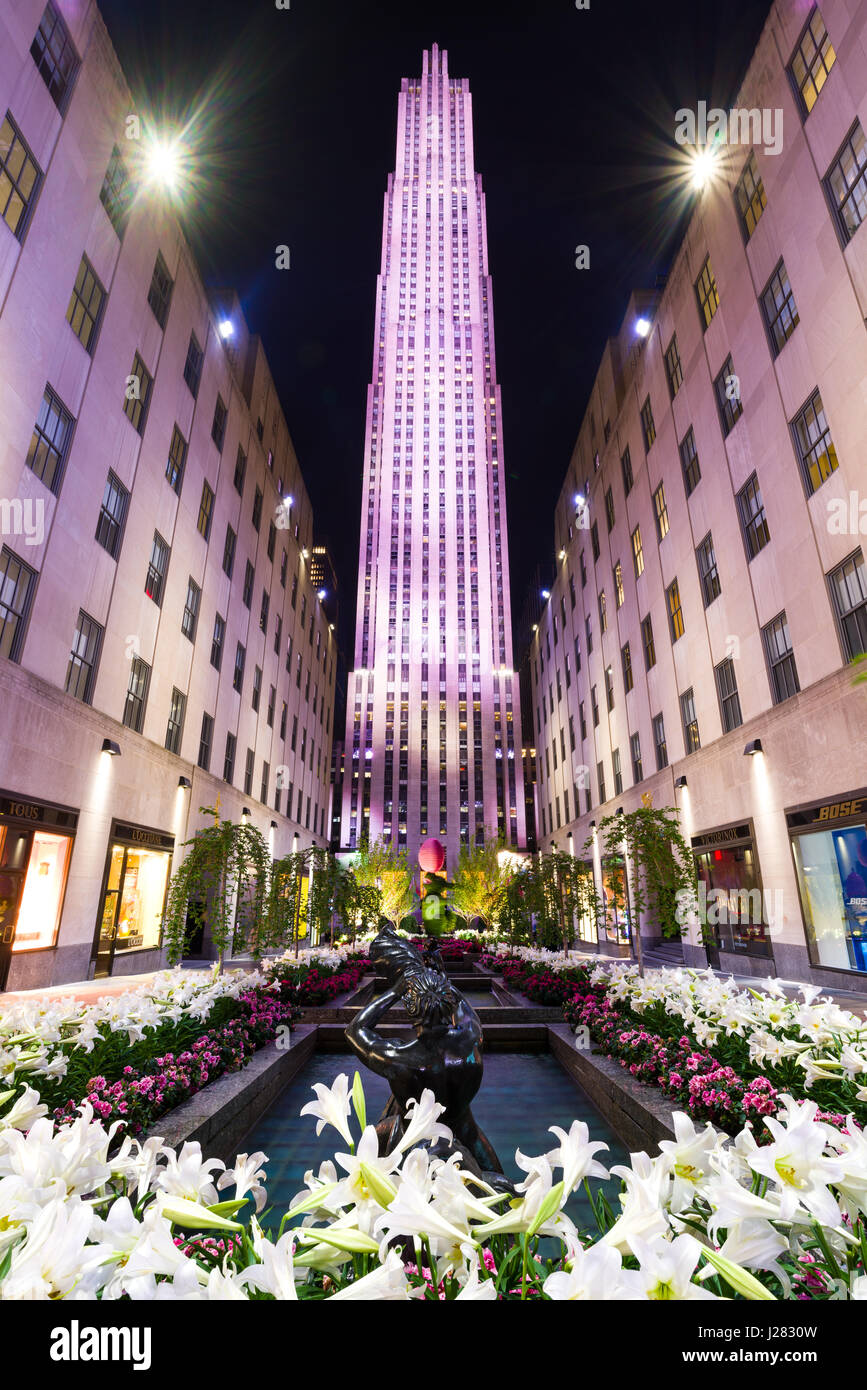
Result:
431,856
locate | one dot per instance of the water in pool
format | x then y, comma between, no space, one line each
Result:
522,1094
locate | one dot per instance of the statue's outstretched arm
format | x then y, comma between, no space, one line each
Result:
362,1036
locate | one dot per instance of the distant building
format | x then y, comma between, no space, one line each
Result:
323,580
711,588
155,601
433,739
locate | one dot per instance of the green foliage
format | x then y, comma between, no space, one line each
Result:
383,867
664,873
222,884
229,885
481,881
554,890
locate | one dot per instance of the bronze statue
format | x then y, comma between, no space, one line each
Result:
445,1056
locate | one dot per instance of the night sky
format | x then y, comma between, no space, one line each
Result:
574,124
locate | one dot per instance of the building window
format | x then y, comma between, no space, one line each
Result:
594,706
753,520
49,446
138,394
263,611
136,695
86,304
728,397
609,509
626,658
175,728
193,366
812,60
272,703
83,659
249,577
257,509
206,511
20,177
692,742
849,588
238,677
603,613
160,292
689,462
257,688
707,293
229,552
112,515
217,641
750,197
117,191
846,182
266,775
55,58
157,570
618,584
635,749
660,513
248,772
600,778
240,472
609,688
177,461
218,428
618,775
675,612
781,659
637,553
594,540
205,740
673,367
588,633
648,428
815,446
778,307
229,759
729,700
659,742
626,471
190,620
647,643
708,570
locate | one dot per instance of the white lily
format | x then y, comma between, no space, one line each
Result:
666,1269
246,1176
332,1106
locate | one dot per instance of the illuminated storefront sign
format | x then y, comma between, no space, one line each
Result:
829,846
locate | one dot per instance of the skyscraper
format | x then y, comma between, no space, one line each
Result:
433,713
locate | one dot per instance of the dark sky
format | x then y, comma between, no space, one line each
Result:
574,121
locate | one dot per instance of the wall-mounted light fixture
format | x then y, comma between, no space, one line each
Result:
593,825
680,782
109,746
754,746
273,825
185,783
619,811
246,811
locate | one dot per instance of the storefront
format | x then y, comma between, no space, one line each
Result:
829,846
133,898
35,849
732,905
615,928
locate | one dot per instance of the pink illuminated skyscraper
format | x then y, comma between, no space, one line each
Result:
433,743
